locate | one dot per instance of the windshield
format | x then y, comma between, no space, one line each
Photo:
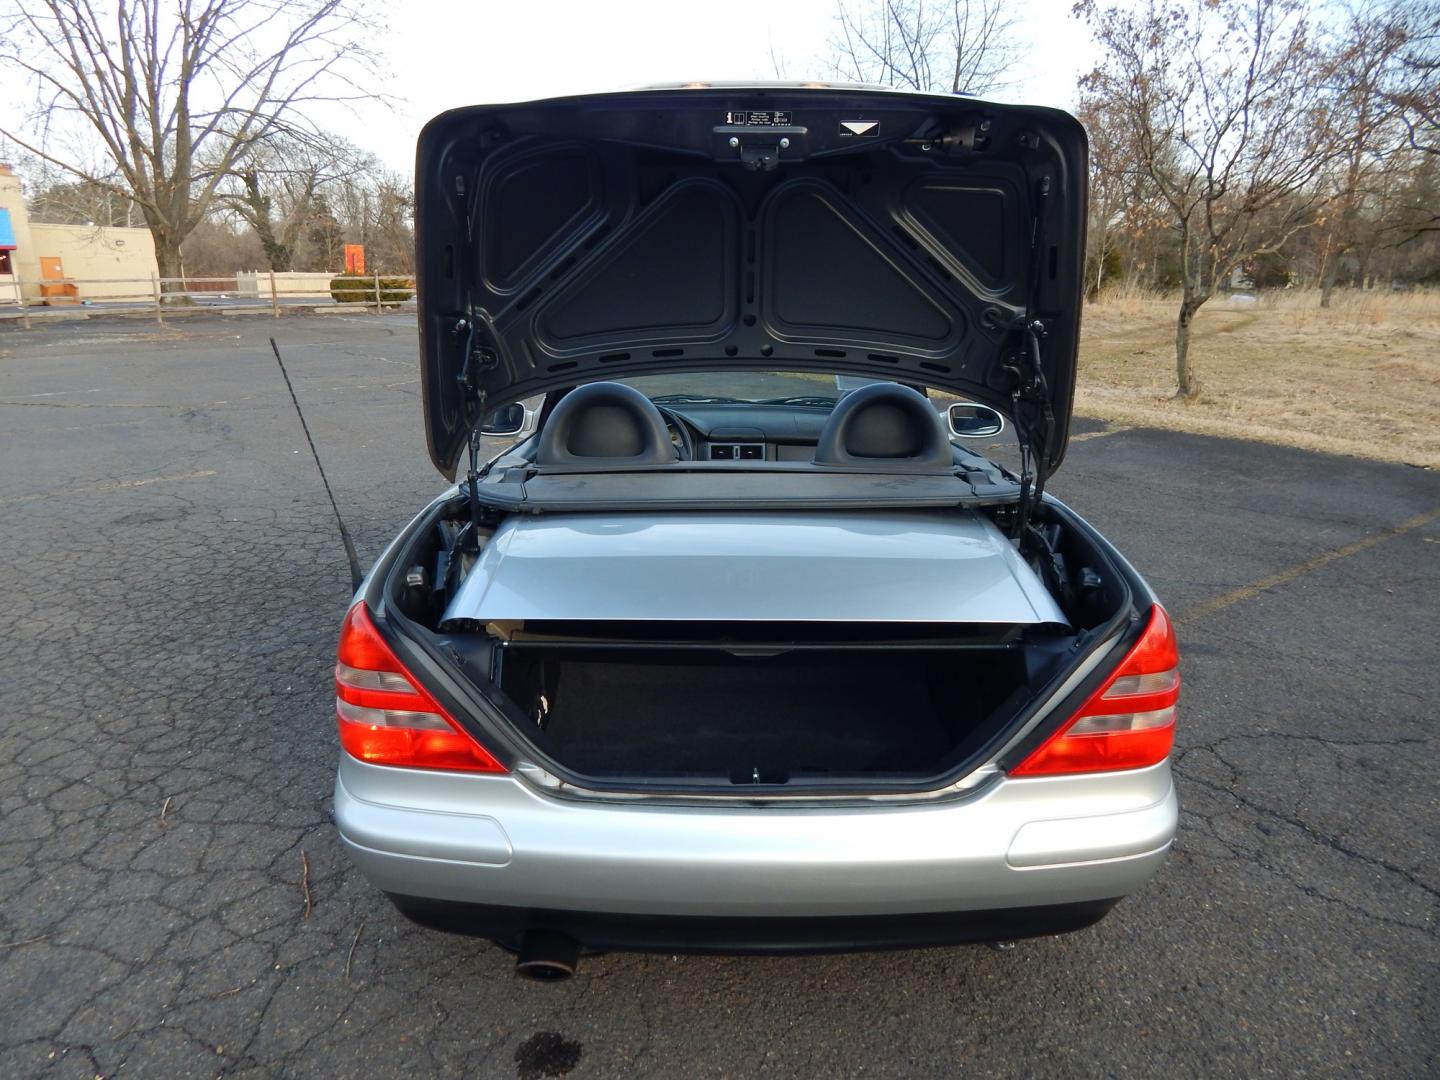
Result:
796,389
748,387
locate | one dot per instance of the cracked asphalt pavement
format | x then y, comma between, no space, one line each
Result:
174,903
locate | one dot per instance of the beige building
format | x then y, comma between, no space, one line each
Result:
68,263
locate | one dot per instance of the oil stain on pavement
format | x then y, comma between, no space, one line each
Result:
546,1053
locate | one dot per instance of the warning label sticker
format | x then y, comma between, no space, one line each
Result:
863,129
758,118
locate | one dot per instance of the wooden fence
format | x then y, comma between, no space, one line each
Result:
178,296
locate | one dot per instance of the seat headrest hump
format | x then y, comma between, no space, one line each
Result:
605,423
884,423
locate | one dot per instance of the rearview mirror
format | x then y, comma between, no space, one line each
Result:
505,421
968,421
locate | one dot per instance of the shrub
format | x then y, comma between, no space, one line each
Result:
360,289
1270,271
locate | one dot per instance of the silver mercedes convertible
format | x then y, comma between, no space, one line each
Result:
745,644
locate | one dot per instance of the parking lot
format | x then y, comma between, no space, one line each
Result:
174,903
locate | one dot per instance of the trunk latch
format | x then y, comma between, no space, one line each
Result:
756,775
759,148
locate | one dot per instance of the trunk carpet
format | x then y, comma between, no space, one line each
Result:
791,714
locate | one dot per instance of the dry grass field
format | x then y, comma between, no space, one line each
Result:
1359,378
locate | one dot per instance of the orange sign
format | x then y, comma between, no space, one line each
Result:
354,258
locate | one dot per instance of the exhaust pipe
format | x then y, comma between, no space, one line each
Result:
547,956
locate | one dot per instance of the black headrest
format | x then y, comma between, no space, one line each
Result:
605,423
884,424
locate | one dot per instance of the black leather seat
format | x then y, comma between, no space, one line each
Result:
605,423
884,424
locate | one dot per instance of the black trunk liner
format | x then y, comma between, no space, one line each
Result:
714,713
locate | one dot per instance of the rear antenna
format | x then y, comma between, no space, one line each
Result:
355,575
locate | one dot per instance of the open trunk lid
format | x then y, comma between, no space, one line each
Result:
932,239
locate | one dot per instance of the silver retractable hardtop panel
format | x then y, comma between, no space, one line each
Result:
954,567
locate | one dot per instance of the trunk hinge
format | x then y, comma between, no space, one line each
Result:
478,359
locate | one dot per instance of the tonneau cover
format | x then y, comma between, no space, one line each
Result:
727,488
894,566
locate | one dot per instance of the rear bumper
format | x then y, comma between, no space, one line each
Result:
757,934
1012,844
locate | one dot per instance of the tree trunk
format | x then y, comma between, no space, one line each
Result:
1327,280
167,262
254,206
1363,277
1188,386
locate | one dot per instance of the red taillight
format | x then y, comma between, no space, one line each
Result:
385,717
1129,722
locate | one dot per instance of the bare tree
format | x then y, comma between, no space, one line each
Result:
1359,70
394,241
943,47
326,236
1127,216
275,187
1109,192
1414,90
219,246
80,202
377,209
1224,110
1412,226
177,93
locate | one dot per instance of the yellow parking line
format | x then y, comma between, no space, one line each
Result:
156,480
81,489
1255,588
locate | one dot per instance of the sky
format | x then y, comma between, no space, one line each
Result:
439,55
442,55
